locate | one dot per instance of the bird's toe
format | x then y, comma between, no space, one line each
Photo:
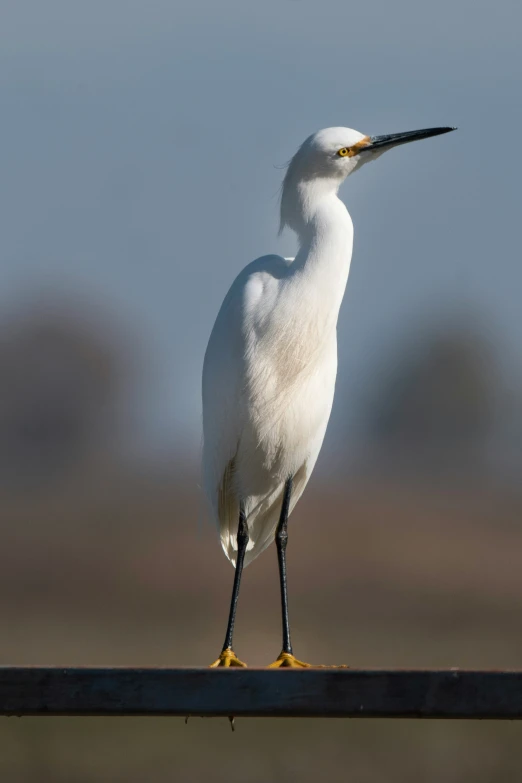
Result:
228,659
288,661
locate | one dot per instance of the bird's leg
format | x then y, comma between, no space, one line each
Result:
228,657
286,658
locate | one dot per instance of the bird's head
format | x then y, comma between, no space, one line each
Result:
327,157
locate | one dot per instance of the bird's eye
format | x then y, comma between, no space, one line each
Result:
343,152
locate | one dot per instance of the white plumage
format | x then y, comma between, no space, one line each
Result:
271,362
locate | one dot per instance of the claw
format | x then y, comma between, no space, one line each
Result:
227,659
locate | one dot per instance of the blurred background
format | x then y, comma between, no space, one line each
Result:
141,155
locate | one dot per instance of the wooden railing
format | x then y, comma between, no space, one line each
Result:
305,693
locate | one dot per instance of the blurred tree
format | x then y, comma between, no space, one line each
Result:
437,400
60,379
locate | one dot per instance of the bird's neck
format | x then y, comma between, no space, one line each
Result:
325,233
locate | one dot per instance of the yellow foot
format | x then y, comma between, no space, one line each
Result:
286,660
228,658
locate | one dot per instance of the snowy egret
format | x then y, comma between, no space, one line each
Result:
271,361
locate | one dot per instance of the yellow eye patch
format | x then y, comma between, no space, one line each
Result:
349,152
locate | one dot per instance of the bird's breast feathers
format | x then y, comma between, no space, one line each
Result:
289,379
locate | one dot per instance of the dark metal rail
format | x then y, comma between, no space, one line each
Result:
260,693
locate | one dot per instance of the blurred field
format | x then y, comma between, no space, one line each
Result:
115,567
409,554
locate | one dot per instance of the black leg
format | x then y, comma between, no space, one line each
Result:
281,542
242,541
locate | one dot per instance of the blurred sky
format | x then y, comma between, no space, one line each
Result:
138,169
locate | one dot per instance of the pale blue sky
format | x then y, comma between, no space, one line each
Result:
138,154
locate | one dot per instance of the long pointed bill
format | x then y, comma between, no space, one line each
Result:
394,139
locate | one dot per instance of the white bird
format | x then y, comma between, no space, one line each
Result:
271,362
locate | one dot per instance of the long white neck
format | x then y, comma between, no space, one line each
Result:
325,232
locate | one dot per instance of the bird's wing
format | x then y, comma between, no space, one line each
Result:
221,425
223,383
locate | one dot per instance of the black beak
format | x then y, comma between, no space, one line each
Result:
394,139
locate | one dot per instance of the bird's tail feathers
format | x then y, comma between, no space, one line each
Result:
262,513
